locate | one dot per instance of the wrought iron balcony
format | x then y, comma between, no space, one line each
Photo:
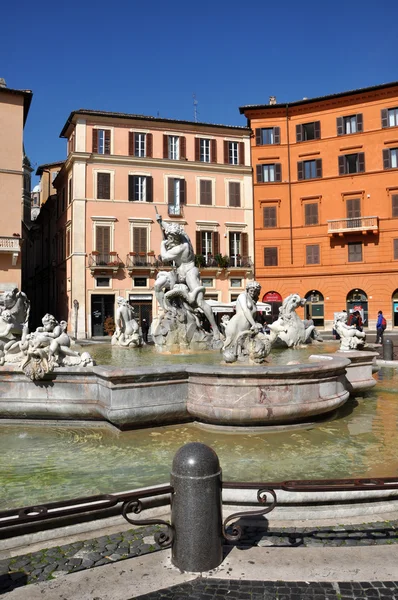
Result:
240,262
174,211
353,224
104,261
223,262
146,260
11,245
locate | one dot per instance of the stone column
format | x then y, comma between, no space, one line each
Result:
196,508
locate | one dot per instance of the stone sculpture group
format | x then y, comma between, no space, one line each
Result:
350,337
127,332
39,352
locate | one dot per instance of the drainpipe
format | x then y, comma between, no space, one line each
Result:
290,185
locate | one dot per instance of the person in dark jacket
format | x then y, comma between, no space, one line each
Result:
145,329
380,327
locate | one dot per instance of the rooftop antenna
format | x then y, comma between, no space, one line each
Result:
195,110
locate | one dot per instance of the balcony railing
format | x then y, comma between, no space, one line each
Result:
353,224
10,244
145,260
223,262
174,211
240,262
110,260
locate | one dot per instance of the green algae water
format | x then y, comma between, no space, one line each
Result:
47,461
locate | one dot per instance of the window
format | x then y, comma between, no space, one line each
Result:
269,173
309,169
389,117
352,163
269,216
235,283
270,257
234,193
312,254
390,158
205,150
355,252
395,249
140,240
394,202
140,282
207,282
103,282
101,141
234,153
351,124
308,131
268,135
174,147
70,190
176,196
103,186
205,196
235,248
68,242
140,188
311,213
140,144
353,207
103,239
207,243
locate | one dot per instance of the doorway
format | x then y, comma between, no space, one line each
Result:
142,305
315,308
358,300
102,308
395,308
275,301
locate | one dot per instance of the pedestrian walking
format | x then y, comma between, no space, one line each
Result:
380,327
145,329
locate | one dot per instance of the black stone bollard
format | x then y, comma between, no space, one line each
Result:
388,349
196,508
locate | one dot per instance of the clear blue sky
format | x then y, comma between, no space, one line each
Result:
149,57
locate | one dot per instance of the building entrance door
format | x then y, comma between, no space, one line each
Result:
315,308
142,304
102,307
395,308
358,300
275,301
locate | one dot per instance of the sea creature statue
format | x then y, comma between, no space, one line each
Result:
127,332
291,329
181,297
245,340
14,311
39,352
350,337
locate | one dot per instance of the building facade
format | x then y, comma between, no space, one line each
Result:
326,202
121,170
15,172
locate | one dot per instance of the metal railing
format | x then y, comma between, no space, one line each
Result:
353,224
103,260
10,244
175,211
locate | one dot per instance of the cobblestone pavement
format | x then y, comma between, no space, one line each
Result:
208,589
52,562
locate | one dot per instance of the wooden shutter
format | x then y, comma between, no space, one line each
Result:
312,254
183,147
198,242
361,162
215,237
395,249
149,189
226,152
140,239
355,252
107,149
165,146
317,130
244,240
340,125
258,137
183,192
197,149
269,216
95,141
278,172
299,133
241,150
213,146
234,193
131,143
394,202
318,164
300,170
270,257
359,122
342,165
170,196
260,178
384,118
311,213
277,135
386,159
131,187
353,208
205,192
149,145
103,239
104,186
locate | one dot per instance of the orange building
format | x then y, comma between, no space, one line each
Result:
325,176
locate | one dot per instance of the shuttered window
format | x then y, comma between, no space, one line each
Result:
140,235
103,239
101,141
309,169
312,254
353,208
308,131
350,124
355,252
311,213
396,249
268,135
269,173
270,257
389,117
205,192
352,163
234,193
269,216
103,186
140,188
394,202
390,158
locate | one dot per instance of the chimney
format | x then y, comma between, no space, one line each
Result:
2,82
272,99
